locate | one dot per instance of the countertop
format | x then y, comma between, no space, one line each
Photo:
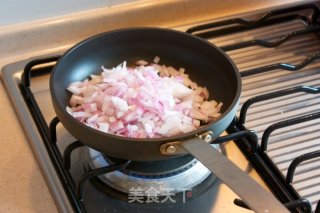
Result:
16,11
23,188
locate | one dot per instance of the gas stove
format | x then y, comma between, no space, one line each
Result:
274,137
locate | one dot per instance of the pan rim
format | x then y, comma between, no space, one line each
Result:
178,137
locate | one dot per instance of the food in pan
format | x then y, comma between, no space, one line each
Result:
145,101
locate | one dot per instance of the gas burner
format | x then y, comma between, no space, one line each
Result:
166,176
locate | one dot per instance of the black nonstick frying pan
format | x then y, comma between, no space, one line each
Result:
206,64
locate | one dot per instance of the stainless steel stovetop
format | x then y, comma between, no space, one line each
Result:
288,139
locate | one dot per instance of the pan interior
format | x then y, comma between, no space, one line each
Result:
206,65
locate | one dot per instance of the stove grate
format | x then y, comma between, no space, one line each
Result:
283,105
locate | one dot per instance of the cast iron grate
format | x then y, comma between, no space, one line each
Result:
62,162
268,164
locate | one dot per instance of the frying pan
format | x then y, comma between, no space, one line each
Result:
206,64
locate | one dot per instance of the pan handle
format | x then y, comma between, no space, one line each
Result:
249,190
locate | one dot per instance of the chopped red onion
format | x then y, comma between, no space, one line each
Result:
146,101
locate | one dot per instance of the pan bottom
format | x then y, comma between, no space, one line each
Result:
155,169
